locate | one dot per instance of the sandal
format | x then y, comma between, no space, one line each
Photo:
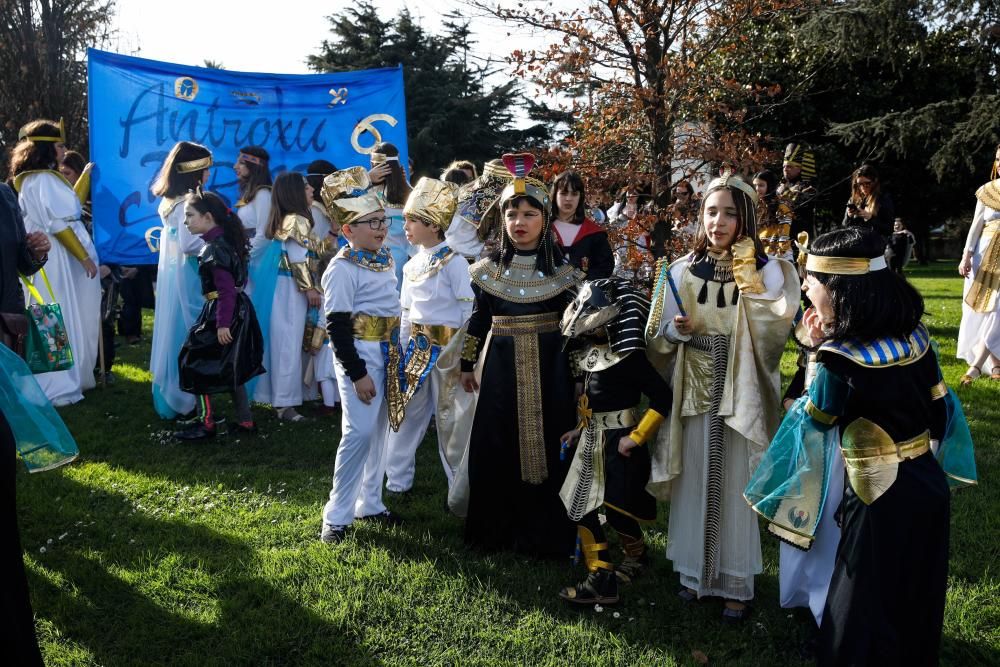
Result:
290,415
736,615
970,376
600,587
687,595
995,374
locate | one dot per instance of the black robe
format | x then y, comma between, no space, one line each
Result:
886,600
504,511
590,251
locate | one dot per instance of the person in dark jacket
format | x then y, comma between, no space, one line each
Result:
584,244
869,206
19,253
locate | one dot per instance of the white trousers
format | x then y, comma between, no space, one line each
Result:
360,464
402,449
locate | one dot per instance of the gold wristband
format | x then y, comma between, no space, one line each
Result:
68,239
647,425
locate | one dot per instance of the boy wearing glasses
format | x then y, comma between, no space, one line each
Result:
362,315
437,300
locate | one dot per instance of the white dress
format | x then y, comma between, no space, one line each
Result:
976,327
49,205
254,215
178,303
282,385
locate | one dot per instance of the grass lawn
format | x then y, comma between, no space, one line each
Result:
148,552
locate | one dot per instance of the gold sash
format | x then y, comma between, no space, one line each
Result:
982,295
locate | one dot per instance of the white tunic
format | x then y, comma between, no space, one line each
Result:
282,385
444,297
49,205
178,303
975,326
254,215
349,288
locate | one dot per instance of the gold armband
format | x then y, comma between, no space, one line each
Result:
822,417
939,391
303,275
745,270
647,425
469,348
68,239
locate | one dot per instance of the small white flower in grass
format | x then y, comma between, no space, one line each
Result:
131,541
598,608
617,615
42,550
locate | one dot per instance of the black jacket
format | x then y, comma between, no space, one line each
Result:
14,254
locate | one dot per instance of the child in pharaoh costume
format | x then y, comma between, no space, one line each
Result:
721,314
526,397
877,406
361,302
611,466
436,299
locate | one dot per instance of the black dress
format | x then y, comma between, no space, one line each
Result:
886,600
505,511
590,251
207,367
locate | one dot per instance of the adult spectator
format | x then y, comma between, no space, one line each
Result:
869,206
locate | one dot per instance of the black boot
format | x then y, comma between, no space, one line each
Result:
600,587
197,431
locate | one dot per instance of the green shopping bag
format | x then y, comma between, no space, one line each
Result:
46,346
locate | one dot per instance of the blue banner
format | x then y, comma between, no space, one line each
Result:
140,108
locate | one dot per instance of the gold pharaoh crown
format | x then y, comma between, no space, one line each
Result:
730,180
347,196
432,201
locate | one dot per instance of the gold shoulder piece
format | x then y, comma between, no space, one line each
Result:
296,228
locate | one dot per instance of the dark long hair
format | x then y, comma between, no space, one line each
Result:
74,161
548,256
169,182
318,170
746,216
205,201
872,305
770,178
396,187
288,195
30,156
259,174
569,181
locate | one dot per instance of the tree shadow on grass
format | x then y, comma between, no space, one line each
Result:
113,591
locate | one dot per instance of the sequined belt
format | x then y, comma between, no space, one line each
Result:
437,334
518,325
373,327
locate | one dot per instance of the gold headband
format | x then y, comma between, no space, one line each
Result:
728,179
23,134
194,165
845,266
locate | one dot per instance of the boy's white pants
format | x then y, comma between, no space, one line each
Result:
360,464
402,448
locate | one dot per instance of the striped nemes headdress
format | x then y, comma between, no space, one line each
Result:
799,156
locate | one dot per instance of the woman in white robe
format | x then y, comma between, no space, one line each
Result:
178,289
724,330
979,333
50,205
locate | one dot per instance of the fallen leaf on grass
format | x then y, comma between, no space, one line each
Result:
699,657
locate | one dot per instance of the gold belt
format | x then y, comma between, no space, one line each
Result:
518,325
613,419
872,458
373,327
897,452
437,334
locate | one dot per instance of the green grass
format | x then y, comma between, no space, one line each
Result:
149,552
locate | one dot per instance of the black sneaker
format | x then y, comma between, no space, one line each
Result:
196,431
333,534
384,517
600,587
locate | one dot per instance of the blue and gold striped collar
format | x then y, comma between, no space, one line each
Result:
883,352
